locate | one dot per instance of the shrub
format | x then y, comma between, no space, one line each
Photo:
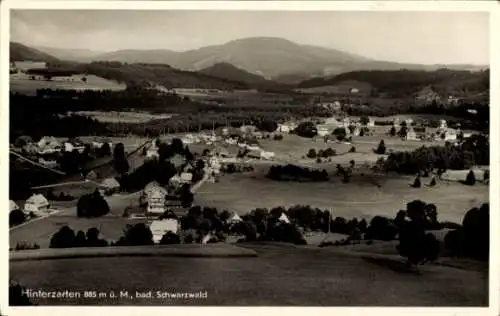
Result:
352,149
92,205
170,238
136,235
311,153
16,217
278,137
417,183
318,160
392,131
381,228
63,238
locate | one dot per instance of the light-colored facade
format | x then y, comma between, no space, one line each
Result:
37,203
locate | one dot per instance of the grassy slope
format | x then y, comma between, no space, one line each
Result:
280,275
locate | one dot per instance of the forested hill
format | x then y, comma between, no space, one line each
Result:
146,75
407,82
20,52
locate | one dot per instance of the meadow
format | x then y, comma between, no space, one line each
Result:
364,197
123,117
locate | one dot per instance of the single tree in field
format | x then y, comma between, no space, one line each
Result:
417,183
471,178
120,161
381,148
392,131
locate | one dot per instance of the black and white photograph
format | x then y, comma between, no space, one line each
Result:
216,157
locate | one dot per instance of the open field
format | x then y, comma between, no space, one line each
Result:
123,117
295,147
364,197
22,83
40,232
279,275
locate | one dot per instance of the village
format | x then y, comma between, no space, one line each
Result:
160,206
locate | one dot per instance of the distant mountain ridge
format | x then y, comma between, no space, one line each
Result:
20,52
269,57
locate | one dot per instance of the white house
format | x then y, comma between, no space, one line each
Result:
268,155
37,203
155,197
322,131
161,227
371,123
410,134
450,134
283,128
283,218
68,147
186,177
234,219
49,144
443,125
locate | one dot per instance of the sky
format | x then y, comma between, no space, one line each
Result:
408,37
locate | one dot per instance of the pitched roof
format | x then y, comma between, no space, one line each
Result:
154,188
284,218
37,199
13,206
110,183
235,218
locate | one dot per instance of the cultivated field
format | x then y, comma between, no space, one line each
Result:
364,197
123,117
22,83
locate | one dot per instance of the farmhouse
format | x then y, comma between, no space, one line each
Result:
161,227
285,128
190,139
235,218
411,135
322,131
109,186
37,203
283,218
186,177
155,198
371,122
48,144
48,163
267,155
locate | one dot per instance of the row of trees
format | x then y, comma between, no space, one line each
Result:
472,151
295,173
